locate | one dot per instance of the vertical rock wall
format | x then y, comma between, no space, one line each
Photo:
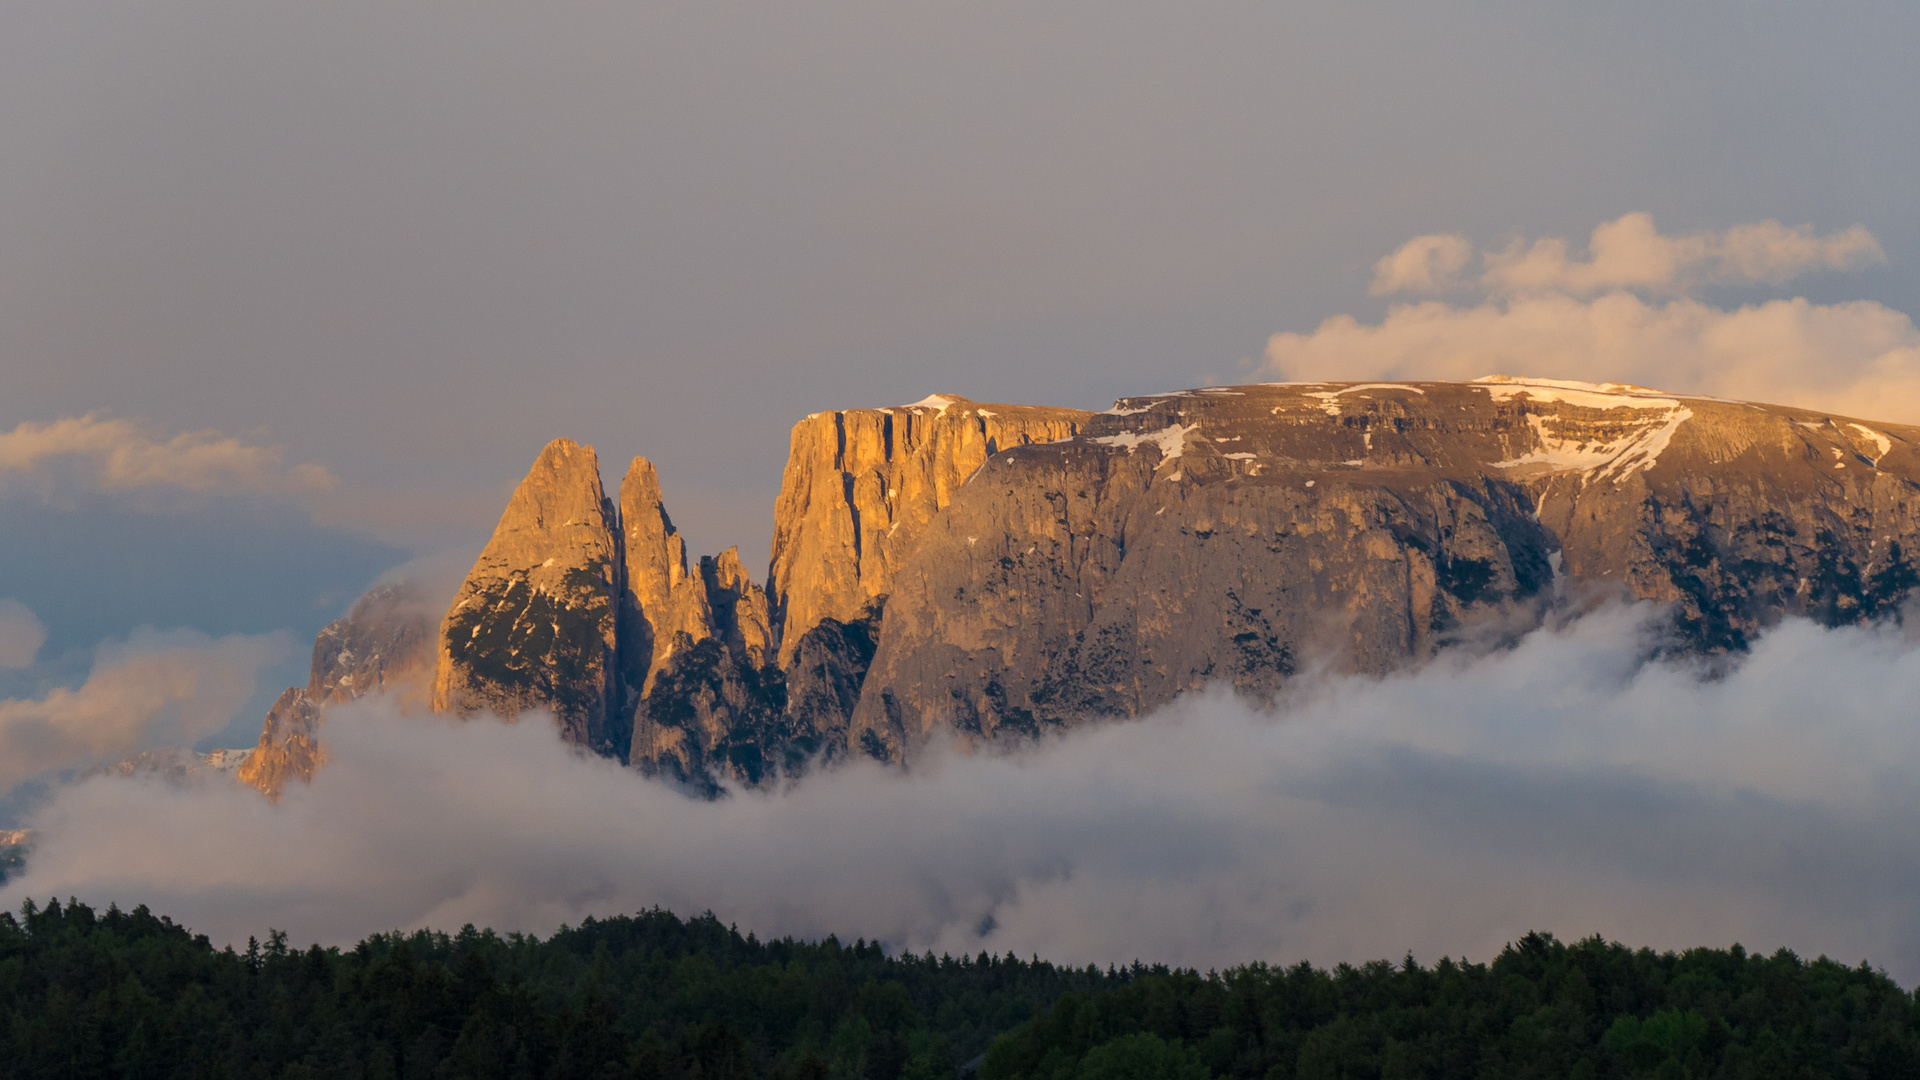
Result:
860,487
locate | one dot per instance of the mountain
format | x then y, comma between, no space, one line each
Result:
384,643
1229,533
993,571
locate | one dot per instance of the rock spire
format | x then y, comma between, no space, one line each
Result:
535,623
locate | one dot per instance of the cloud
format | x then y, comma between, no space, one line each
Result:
1858,358
155,688
1546,315
21,635
1627,254
1567,784
121,453
1423,264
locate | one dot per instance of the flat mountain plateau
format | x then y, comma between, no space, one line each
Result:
992,571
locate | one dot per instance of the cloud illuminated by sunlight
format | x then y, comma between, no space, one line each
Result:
120,453
1620,314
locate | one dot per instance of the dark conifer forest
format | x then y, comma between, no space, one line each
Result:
655,997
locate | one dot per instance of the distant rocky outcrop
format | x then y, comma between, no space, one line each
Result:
174,763
994,571
383,644
289,746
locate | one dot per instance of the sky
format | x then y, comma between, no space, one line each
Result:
291,295
411,244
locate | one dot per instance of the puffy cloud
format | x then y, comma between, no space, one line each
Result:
1423,264
21,635
1548,315
1858,358
156,687
120,453
1567,784
1628,253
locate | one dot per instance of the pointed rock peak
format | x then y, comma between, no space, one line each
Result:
534,623
641,506
561,492
727,572
566,456
662,603
740,614
642,482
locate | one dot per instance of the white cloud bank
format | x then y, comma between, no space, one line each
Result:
154,689
119,453
1566,785
1621,314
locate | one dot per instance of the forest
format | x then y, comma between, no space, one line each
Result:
652,996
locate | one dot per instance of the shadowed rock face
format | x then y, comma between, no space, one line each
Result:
534,626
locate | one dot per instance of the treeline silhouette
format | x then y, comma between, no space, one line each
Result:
655,997
1543,1008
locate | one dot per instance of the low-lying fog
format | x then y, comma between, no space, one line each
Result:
1566,784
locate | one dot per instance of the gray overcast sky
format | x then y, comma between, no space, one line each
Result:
413,242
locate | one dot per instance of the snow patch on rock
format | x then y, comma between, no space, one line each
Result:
1885,444
1172,440
1330,399
1637,448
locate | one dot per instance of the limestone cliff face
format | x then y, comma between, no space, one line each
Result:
1230,533
384,644
535,623
861,486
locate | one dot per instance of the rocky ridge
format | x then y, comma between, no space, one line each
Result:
712,675
1228,533
992,570
173,763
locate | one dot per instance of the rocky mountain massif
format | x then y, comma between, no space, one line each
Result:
997,570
